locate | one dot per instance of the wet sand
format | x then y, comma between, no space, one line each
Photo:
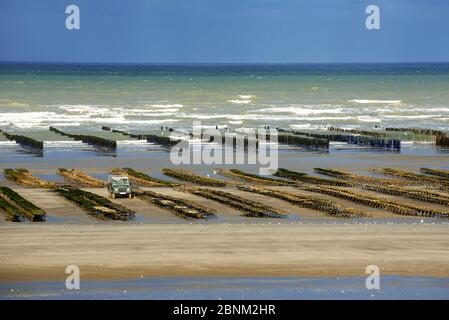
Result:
152,161
103,251
158,243
60,210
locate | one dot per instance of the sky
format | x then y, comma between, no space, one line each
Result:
227,31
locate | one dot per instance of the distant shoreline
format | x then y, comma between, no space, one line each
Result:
223,63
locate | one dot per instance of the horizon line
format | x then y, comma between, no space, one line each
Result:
210,63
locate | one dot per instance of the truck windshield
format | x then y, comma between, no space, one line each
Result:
120,182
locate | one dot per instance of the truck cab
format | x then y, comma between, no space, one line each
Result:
119,186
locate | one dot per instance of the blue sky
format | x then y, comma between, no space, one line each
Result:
224,31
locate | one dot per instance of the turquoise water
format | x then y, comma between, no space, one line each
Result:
304,96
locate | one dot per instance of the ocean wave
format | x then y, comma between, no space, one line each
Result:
301,110
42,119
369,119
11,103
66,124
165,106
428,109
36,117
368,101
145,112
97,110
236,117
246,101
154,121
82,109
421,116
308,126
101,111
246,96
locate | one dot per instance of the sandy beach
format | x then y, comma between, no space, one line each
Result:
157,243
131,251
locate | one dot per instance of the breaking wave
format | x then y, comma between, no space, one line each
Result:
367,101
245,96
245,101
301,110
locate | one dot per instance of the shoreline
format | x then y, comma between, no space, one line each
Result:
112,252
220,288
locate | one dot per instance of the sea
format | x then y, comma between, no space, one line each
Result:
232,288
143,97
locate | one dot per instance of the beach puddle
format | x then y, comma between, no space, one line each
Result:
54,177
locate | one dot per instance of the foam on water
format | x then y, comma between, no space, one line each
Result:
85,115
165,106
302,110
239,101
36,96
245,96
307,126
368,101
